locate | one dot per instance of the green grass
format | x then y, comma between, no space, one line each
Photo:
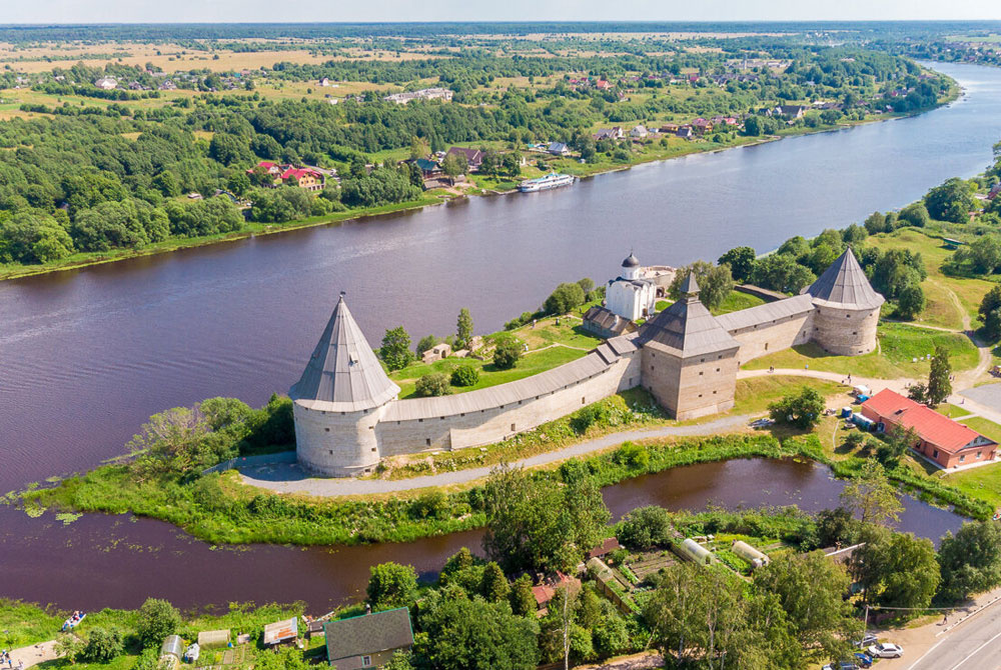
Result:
737,301
529,364
22,624
983,483
951,411
754,394
898,345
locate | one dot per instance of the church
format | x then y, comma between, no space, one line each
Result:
348,414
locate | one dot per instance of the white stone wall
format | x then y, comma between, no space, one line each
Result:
773,336
629,300
337,444
845,332
495,425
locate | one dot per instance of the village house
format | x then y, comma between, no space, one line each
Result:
602,85
669,128
106,83
368,640
281,632
423,94
792,111
613,133
307,178
942,441
558,149
685,132
639,132
474,157
702,126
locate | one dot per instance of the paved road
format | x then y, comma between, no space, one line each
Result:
290,478
972,645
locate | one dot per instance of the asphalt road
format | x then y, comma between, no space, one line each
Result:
974,644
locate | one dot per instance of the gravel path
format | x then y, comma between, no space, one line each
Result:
35,654
290,478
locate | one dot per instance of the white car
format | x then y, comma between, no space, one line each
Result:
885,650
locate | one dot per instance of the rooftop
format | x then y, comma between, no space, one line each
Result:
686,328
844,285
368,634
932,427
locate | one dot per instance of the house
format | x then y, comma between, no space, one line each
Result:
281,632
167,85
639,132
669,128
324,82
474,157
685,132
793,111
106,83
428,167
308,178
438,352
602,85
995,190
423,94
605,323
613,133
368,640
558,149
941,440
608,545
702,126
544,592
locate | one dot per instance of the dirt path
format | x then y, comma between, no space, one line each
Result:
290,478
35,654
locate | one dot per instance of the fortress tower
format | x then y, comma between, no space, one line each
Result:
339,399
846,308
689,362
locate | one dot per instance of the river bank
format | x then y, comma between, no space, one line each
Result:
442,196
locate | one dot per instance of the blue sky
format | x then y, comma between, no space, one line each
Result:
130,11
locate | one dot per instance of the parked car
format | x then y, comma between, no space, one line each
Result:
885,650
842,665
762,423
867,639
863,659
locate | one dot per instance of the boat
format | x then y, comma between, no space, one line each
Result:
551,180
73,621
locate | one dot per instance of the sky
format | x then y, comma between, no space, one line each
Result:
238,11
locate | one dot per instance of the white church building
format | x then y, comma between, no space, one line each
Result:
630,295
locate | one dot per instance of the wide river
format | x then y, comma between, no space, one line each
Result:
87,355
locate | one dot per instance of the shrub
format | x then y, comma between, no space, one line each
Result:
633,455
433,384
392,585
645,527
103,644
508,352
157,619
586,417
802,410
465,375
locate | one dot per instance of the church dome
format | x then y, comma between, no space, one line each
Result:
631,262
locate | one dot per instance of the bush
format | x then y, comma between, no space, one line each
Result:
157,619
433,384
564,299
586,417
391,585
633,455
802,410
645,527
508,352
465,375
103,644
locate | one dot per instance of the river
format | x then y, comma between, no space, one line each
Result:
86,355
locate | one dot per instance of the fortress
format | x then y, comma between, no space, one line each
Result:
348,415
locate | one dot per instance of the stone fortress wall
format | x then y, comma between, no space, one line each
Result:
688,383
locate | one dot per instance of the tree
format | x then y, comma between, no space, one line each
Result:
896,569
455,165
741,262
425,343
915,214
970,560
395,351
896,442
68,646
918,392
27,237
522,599
495,586
464,634
939,386
952,201
564,298
836,526
983,254
465,375
645,528
463,329
802,410
156,620
391,585
433,384
507,353
532,524
781,272
811,589
870,496
990,313
910,301
715,282
103,645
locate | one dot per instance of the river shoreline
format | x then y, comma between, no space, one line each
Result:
433,200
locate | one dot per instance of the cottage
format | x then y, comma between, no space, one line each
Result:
474,157
792,111
613,133
942,441
558,149
281,632
685,132
669,128
602,85
605,323
993,193
307,178
639,132
106,83
702,126
429,169
369,640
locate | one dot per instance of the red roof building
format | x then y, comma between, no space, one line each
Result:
941,440
602,85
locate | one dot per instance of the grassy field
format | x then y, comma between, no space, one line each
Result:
985,427
753,395
22,624
899,344
737,301
951,411
983,483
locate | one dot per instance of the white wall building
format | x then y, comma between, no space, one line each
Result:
629,295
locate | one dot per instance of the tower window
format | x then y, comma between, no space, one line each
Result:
583,401
327,429
428,441
513,429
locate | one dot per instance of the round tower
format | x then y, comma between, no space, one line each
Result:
846,308
342,394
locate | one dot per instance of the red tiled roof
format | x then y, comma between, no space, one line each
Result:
932,427
299,173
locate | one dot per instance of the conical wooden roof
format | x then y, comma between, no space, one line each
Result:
845,286
343,374
686,328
